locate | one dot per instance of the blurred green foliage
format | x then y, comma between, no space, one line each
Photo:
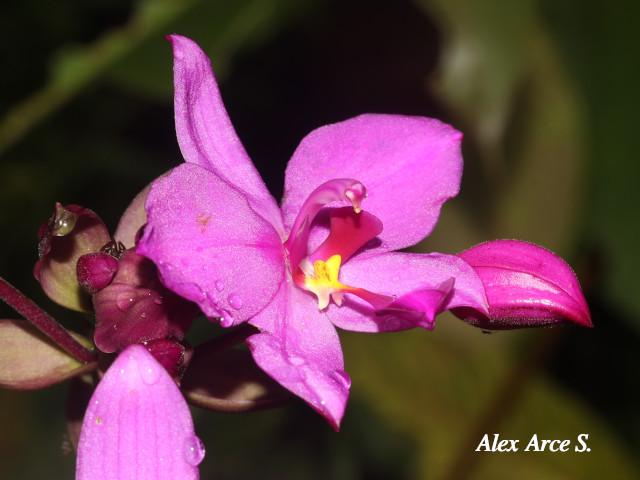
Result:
545,93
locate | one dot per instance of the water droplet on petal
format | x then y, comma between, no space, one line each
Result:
226,321
219,285
193,450
343,378
149,373
235,301
297,361
124,301
158,300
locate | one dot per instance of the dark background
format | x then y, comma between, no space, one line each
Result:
546,94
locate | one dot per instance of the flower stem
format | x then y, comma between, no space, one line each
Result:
43,322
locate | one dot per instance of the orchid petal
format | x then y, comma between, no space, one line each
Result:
527,285
409,165
426,285
300,349
210,246
205,133
137,425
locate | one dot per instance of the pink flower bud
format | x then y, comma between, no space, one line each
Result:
526,286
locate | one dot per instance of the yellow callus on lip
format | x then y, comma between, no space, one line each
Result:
324,283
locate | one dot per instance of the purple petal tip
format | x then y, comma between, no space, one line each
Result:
138,425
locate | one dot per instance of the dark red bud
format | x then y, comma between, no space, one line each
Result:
95,271
171,354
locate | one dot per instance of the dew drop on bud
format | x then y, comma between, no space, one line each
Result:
219,285
64,221
124,301
193,450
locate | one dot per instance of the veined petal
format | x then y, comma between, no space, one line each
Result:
137,425
424,284
527,286
300,349
205,133
209,245
409,165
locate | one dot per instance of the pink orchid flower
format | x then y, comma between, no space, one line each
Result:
356,192
138,425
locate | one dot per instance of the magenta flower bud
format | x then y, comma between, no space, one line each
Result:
95,271
72,231
526,286
136,308
138,425
171,354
